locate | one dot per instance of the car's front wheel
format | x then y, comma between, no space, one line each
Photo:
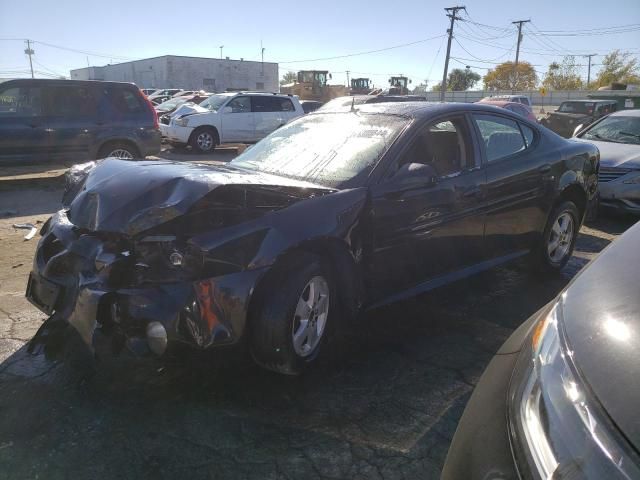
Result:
558,239
120,150
204,139
289,324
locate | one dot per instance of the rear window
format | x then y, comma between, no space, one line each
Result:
577,107
126,101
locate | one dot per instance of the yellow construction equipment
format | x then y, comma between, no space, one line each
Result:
399,85
360,86
312,85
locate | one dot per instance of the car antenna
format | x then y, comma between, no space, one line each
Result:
353,103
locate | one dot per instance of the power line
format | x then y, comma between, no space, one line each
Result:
366,52
453,16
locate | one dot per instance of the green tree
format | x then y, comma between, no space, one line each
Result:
459,79
618,67
289,77
563,76
503,77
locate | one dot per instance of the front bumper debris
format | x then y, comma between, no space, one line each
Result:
88,280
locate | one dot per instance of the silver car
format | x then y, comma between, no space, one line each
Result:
617,136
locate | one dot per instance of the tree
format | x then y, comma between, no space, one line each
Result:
289,77
503,77
459,79
563,76
618,67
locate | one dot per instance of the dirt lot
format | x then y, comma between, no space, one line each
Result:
385,406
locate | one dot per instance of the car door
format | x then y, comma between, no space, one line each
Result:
237,121
23,125
519,183
73,120
428,229
268,114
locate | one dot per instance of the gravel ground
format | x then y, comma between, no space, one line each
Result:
384,405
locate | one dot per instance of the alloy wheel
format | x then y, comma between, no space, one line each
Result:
560,237
204,141
121,153
310,317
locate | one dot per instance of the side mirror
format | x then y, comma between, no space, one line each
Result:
577,130
415,175
227,110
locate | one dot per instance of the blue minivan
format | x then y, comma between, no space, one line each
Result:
44,121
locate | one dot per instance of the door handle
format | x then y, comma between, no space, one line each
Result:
545,168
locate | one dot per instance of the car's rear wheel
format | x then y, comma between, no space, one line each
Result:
121,150
204,139
290,319
558,239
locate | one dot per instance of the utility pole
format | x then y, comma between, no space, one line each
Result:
589,68
515,65
221,47
348,72
452,11
262,52
29,51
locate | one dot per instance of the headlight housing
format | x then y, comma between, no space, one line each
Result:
557,427
182,121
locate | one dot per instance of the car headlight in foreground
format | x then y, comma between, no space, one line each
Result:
556,425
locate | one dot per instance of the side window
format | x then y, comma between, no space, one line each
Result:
286,105
528,134
263,104
125,101
240,105
502,136
443,145
73,101
20,101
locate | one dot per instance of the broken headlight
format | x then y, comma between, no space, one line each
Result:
162,258
557,427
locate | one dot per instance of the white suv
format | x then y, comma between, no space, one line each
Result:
238,117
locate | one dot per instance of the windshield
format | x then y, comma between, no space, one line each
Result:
214,102
576,107
615,129
327,149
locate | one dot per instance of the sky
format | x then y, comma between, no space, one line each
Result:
295,34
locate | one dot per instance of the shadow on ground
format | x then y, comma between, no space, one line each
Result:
384,404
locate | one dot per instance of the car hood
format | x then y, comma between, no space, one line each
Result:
130,197
601,312
617,154
189,109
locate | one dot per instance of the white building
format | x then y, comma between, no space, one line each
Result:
190,73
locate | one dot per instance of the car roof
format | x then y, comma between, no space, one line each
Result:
55,81
589,100
498,103
626,113
248,92
423,109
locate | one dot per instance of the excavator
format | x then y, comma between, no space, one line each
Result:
360,86
312,85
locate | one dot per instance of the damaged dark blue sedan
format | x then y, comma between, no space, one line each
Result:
329,215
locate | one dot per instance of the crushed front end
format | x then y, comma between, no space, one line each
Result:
145,293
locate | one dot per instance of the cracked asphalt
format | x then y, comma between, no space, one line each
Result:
383,405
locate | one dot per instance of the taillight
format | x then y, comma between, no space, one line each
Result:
154,114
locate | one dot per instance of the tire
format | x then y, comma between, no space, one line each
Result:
280,339
122,150
204,139
558,233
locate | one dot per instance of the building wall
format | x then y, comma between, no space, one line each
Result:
210,74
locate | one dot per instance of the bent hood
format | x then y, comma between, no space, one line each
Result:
188,109
130,197
617,154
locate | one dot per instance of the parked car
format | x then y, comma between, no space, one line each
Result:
617,136
235,117
71,120
163,95
570,114
560,399
522,99
309,106
518,108
331,213
148,91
